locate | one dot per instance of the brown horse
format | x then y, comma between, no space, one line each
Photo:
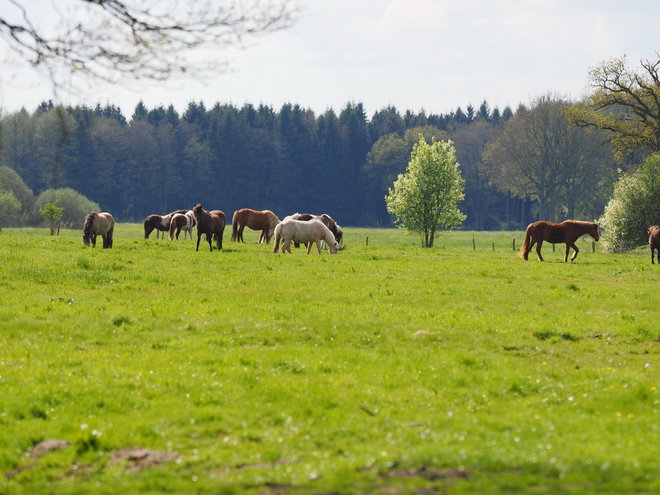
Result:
654,241
182,221
98,224
567,232
211,223
265,220
158,223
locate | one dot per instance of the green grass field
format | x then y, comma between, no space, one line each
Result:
385,369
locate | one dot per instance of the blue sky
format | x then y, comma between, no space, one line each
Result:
434,55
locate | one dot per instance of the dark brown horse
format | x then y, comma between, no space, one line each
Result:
566,232
265,220
211,223
654,241
98,224
159,223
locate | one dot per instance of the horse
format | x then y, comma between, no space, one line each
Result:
326,219
654,241
182,221
160,223
98,224
211,223
265,220
567,232
304,232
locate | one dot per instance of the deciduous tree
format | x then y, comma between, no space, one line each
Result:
624,102
425,198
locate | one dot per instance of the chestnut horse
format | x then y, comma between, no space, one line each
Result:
265,220
211,223
182,221
654,241
98,224
567,232
304,232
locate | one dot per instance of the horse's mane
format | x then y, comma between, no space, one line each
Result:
89,223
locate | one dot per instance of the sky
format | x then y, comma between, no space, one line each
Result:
430,55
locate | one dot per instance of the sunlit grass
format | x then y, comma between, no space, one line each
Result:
383,368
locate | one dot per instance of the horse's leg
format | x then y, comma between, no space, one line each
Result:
209,238
538,250
309,247
239,234
199,236
318,246
286,246
575,248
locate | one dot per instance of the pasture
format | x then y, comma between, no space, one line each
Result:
387,368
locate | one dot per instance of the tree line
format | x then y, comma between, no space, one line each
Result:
292,160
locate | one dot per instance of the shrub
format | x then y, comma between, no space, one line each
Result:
634,207
76,206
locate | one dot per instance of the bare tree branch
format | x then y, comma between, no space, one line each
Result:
129,40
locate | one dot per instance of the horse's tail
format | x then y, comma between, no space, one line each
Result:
234,226
527,245
278,237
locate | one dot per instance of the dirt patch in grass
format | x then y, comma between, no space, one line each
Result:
139,458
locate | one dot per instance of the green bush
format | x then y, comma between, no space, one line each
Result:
76,206
634,207
11,182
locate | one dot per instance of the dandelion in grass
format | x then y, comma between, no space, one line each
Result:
631,415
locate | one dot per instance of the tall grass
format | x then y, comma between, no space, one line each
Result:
387,368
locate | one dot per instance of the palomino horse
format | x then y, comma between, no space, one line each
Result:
182,221
326,219
266,221
211,223
98,224
654,241
567,232
304,233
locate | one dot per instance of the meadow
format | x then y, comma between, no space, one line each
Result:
385,369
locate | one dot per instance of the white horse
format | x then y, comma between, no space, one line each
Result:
182,221
304,233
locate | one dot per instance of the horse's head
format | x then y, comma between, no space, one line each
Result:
85,240
334,248
594,234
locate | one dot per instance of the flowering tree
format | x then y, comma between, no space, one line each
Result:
425,198
634,207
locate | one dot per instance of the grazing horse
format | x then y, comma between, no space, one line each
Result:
182,221
567,232
211,223
326,219
157,222
266,221
654,241
98,224
304,233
